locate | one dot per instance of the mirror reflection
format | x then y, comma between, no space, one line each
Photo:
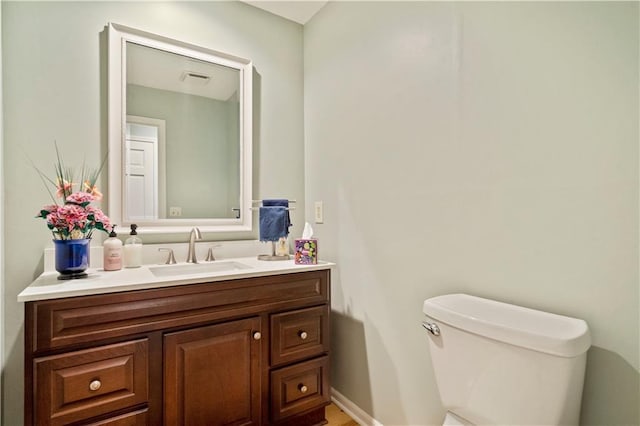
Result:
180,135
182,142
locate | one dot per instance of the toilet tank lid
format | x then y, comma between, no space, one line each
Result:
529,328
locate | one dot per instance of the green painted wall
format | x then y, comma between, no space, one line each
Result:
54,79
200,149
489,148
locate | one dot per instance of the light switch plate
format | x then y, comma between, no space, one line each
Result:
319,213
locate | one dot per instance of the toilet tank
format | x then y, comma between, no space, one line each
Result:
497,363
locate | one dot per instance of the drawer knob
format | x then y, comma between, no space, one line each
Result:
95,385
303,335
302,388
257,335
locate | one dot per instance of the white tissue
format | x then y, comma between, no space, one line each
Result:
307,232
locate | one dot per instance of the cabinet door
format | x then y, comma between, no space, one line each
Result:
212,375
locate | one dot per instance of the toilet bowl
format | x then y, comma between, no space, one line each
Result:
497,363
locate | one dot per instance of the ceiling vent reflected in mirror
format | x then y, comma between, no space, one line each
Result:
190,77
166,70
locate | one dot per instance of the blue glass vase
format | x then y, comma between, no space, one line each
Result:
72,258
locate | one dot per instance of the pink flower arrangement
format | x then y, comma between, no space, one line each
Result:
75,218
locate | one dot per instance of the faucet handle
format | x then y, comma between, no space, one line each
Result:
210,256
171,259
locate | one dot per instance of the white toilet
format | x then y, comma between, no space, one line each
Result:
502,364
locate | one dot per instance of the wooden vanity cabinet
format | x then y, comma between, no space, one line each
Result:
251,351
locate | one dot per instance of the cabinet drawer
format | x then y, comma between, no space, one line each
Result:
61,322
299,334
299,388
136,418
88,383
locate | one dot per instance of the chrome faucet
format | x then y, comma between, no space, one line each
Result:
191,254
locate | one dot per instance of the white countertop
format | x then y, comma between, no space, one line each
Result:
99,281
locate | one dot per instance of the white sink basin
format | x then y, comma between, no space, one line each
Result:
196,268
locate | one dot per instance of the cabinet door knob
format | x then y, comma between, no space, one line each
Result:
95,385
257,335
302,388
303,335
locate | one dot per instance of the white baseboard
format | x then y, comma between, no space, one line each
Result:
355,412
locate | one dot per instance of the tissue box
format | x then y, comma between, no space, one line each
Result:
306,251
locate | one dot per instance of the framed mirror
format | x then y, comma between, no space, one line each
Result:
180,136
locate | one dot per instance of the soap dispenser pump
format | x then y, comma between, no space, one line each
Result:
133,249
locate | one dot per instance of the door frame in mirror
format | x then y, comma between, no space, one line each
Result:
118,36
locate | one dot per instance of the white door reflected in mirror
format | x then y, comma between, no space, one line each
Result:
142,159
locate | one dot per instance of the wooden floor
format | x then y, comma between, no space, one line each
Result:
336,417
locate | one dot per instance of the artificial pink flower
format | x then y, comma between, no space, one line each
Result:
80,198
76,216
51,208
63,188
75,219
55,221
100,220
93,190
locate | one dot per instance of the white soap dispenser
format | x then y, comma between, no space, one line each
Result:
133,249
112,250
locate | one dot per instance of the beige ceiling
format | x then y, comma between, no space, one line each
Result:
298,11
162,70
169,71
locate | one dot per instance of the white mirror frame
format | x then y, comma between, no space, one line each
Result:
118,36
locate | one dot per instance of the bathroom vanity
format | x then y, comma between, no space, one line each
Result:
248,346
